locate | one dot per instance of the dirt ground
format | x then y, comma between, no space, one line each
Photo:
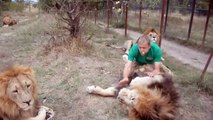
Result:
63,77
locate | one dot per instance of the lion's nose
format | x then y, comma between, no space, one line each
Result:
120,99
27,102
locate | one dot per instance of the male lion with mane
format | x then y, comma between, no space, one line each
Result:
18,93
147,98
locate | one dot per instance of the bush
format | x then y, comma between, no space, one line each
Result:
119,24
13,6
18,7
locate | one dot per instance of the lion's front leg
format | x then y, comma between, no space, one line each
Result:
44,113
109,92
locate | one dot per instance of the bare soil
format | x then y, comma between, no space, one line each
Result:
63,76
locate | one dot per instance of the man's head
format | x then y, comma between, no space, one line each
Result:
144,44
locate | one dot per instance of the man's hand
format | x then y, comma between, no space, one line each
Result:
123,82
152,74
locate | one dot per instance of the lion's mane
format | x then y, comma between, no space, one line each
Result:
8,108
158,101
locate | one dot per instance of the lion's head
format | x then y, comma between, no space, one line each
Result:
153,34
158,101
17,90
8,20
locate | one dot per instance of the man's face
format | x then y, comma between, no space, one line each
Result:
143,47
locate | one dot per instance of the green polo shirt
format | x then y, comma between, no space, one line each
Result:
154,54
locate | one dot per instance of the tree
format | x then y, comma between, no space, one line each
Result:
46,5
4,5
71,13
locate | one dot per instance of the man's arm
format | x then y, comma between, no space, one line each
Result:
126,73
156,70
157,67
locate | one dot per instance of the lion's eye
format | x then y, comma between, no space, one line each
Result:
28,86
132,98
15,91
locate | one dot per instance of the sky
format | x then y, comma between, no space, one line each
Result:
34,0
31,0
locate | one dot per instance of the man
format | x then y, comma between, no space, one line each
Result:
143,52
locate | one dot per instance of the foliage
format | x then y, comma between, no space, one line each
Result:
73,14
6,5
119,12
46,5
150,3
18,7
120,24
203,4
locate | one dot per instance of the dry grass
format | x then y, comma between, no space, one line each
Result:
63,77
177,27
189,76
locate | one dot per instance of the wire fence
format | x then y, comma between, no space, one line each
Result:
176,28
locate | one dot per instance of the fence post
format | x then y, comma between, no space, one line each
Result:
162,19
167,11
126,17
140,14
191,20
206,66
207,21
95,14
107,13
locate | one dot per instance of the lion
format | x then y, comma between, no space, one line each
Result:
155,101
151,33
147,98
18,96
8,21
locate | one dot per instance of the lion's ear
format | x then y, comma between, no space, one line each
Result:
3,86
29,71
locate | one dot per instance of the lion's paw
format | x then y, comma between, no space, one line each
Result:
49,112
90,89
125,58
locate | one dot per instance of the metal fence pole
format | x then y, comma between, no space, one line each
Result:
167,11
126,17
95,14
140,14
207,21
191,20
206,66
162,19
107,13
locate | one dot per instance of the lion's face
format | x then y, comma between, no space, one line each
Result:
153,36
20,91
128,97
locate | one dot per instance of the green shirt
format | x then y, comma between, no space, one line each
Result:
153,55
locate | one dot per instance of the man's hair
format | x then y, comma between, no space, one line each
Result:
144,38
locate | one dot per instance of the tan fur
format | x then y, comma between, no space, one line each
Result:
153,34
141,80
142,102
148,98
8,21
18,93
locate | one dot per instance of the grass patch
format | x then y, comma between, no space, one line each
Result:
189,76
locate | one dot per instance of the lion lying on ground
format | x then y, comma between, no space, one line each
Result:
18,94
147,98
8,21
